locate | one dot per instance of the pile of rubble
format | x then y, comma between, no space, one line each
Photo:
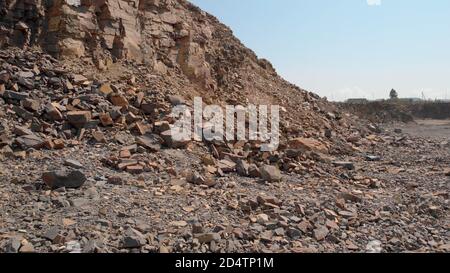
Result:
46,106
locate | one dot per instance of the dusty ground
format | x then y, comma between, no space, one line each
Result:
429,128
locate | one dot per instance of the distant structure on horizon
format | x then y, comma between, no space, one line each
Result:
357,100
393,95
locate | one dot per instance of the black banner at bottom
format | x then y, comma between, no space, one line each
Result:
227,262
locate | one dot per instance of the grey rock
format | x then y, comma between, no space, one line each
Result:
320,233
73,163
12,246
30,141
64,178
133,239
344,164
79,202
270,173
242,167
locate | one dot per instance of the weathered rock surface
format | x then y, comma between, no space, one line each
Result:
64,178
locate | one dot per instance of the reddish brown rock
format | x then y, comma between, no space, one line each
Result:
308,144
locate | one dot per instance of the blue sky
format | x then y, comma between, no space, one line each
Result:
348,48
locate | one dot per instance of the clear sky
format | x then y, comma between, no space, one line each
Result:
348,48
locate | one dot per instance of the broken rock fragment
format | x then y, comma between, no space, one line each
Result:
344,164
205,238
270,173
171,141
133,239
118,100
308,144
30,141
64,178
79,118
53,112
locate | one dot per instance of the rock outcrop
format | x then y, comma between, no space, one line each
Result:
161,33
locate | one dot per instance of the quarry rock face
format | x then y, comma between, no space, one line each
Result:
160,33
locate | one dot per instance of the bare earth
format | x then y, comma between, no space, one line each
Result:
437,129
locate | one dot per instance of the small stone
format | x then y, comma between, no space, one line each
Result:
308,144
73,163
105,89
30,141
242,167
270,173
161,126
149,142
79,118
64,178
79,202
4,77
320,233
118,100
115,180
197,228
133,239
31,105
105,119
347,214
374,247
51,233
79,79
73,247
172,142
208,160
22,131
253,171
27,248
344,164
226,166
205,238
8,94
179,223
176,100
141,128
350,197
164,249
12,245
373,158
135,169
262,218
68,222
99,136
447,172
293,233
53,111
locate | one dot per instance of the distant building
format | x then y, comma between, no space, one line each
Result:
410,99
357,101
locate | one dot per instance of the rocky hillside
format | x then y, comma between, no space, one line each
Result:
193,52
88,162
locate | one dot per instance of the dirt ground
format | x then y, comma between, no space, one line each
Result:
427,128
